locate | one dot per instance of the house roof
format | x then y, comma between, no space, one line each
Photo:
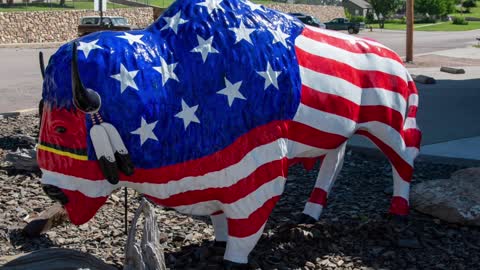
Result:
361,3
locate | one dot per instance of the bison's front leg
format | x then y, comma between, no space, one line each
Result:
220,227
246,220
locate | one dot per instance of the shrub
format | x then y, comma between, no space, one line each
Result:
426,20
469,4
357,19
459,20
403,20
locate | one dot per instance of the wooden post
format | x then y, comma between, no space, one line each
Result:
409,30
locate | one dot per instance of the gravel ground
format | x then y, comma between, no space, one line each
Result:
354,231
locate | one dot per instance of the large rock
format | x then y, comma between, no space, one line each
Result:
454,200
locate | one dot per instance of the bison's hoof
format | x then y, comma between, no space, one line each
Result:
398,222
305,219
228,265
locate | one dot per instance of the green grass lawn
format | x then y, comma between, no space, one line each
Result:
166,3
474,12
444,26
54,6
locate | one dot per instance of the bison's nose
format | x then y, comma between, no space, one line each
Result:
55,193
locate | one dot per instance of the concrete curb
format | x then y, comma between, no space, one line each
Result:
5,115
377,154
32,45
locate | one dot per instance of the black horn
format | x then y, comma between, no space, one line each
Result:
84,99
42,65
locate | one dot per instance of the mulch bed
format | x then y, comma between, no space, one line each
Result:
354,232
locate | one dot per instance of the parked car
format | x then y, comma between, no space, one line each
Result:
95,23
345,24
309,20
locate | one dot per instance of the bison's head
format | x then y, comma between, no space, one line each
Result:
64,141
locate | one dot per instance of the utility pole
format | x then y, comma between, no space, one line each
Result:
409,30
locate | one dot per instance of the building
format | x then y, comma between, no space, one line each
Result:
357,7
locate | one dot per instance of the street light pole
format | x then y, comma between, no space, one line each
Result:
409,30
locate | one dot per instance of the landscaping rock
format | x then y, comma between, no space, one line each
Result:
454,200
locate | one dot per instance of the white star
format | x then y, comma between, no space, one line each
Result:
204,47
253,6
280,36
146,131
231,91
126,78
167,71
132,38
242,33
188,114
211,5
270,76
173,22
86,47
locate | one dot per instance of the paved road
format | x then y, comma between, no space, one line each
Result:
20,78
21,83
423,42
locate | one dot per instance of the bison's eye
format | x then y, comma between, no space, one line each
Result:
60,129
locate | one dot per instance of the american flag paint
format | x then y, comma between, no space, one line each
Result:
214,101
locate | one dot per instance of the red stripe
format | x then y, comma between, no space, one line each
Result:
318,196
217,161
412,137
233,193
88,169
81,208
399,206
357,47
413,87
341,106
412,111
403,168
308,135
248,226
360,78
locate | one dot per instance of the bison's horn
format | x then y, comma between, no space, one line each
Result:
42,65
84,99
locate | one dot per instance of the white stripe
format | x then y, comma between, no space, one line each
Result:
239,209
361,96
324,121
336,124
253,201
313,209
349,38
364,61
401,187
226,177
392,138
238,248
413,100
410,122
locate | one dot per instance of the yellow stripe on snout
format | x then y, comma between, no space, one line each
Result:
62,153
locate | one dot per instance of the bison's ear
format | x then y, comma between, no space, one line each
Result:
84,99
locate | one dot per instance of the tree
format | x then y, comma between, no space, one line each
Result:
384,8
435,7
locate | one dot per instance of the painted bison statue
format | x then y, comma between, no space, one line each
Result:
204,110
